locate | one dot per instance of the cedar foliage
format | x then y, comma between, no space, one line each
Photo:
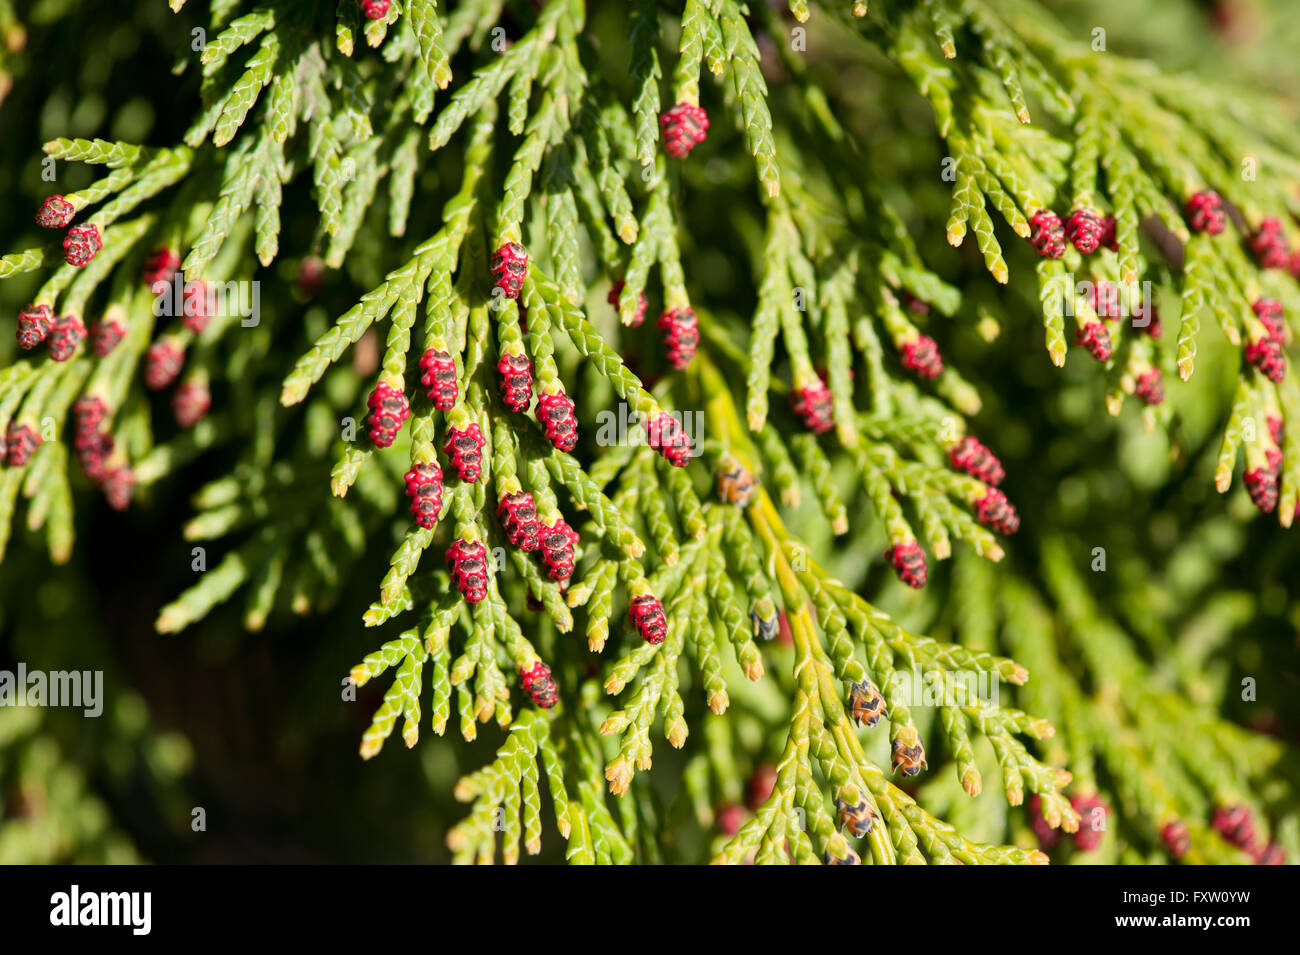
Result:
1070,615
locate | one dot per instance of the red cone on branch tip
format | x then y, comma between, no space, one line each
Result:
439,377
681,332
118,485
89,413
908,561
814,406
684,127
509,266
1048,838
639,315
1150,387
646,614
107,335
464,446
424,488
760,785
1270,245
93,446
1205,212
1266,355
1095,337
21,442
555,414
163,363
65,335
81,244
160,265
55,213
1272,854
191,403
921,356
1275,428
665,436
1269,311
467,561
515,380
1236,825
1047,235
93,450
1176,838
994,511
537,683
971,457
1105,299
34,323
557,542
389,410
517,513
1092,821
1084,229
197,306
1261,485
375,9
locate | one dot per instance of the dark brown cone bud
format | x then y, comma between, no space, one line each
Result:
909,759
866,705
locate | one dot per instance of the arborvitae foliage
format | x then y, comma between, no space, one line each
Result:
611,349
